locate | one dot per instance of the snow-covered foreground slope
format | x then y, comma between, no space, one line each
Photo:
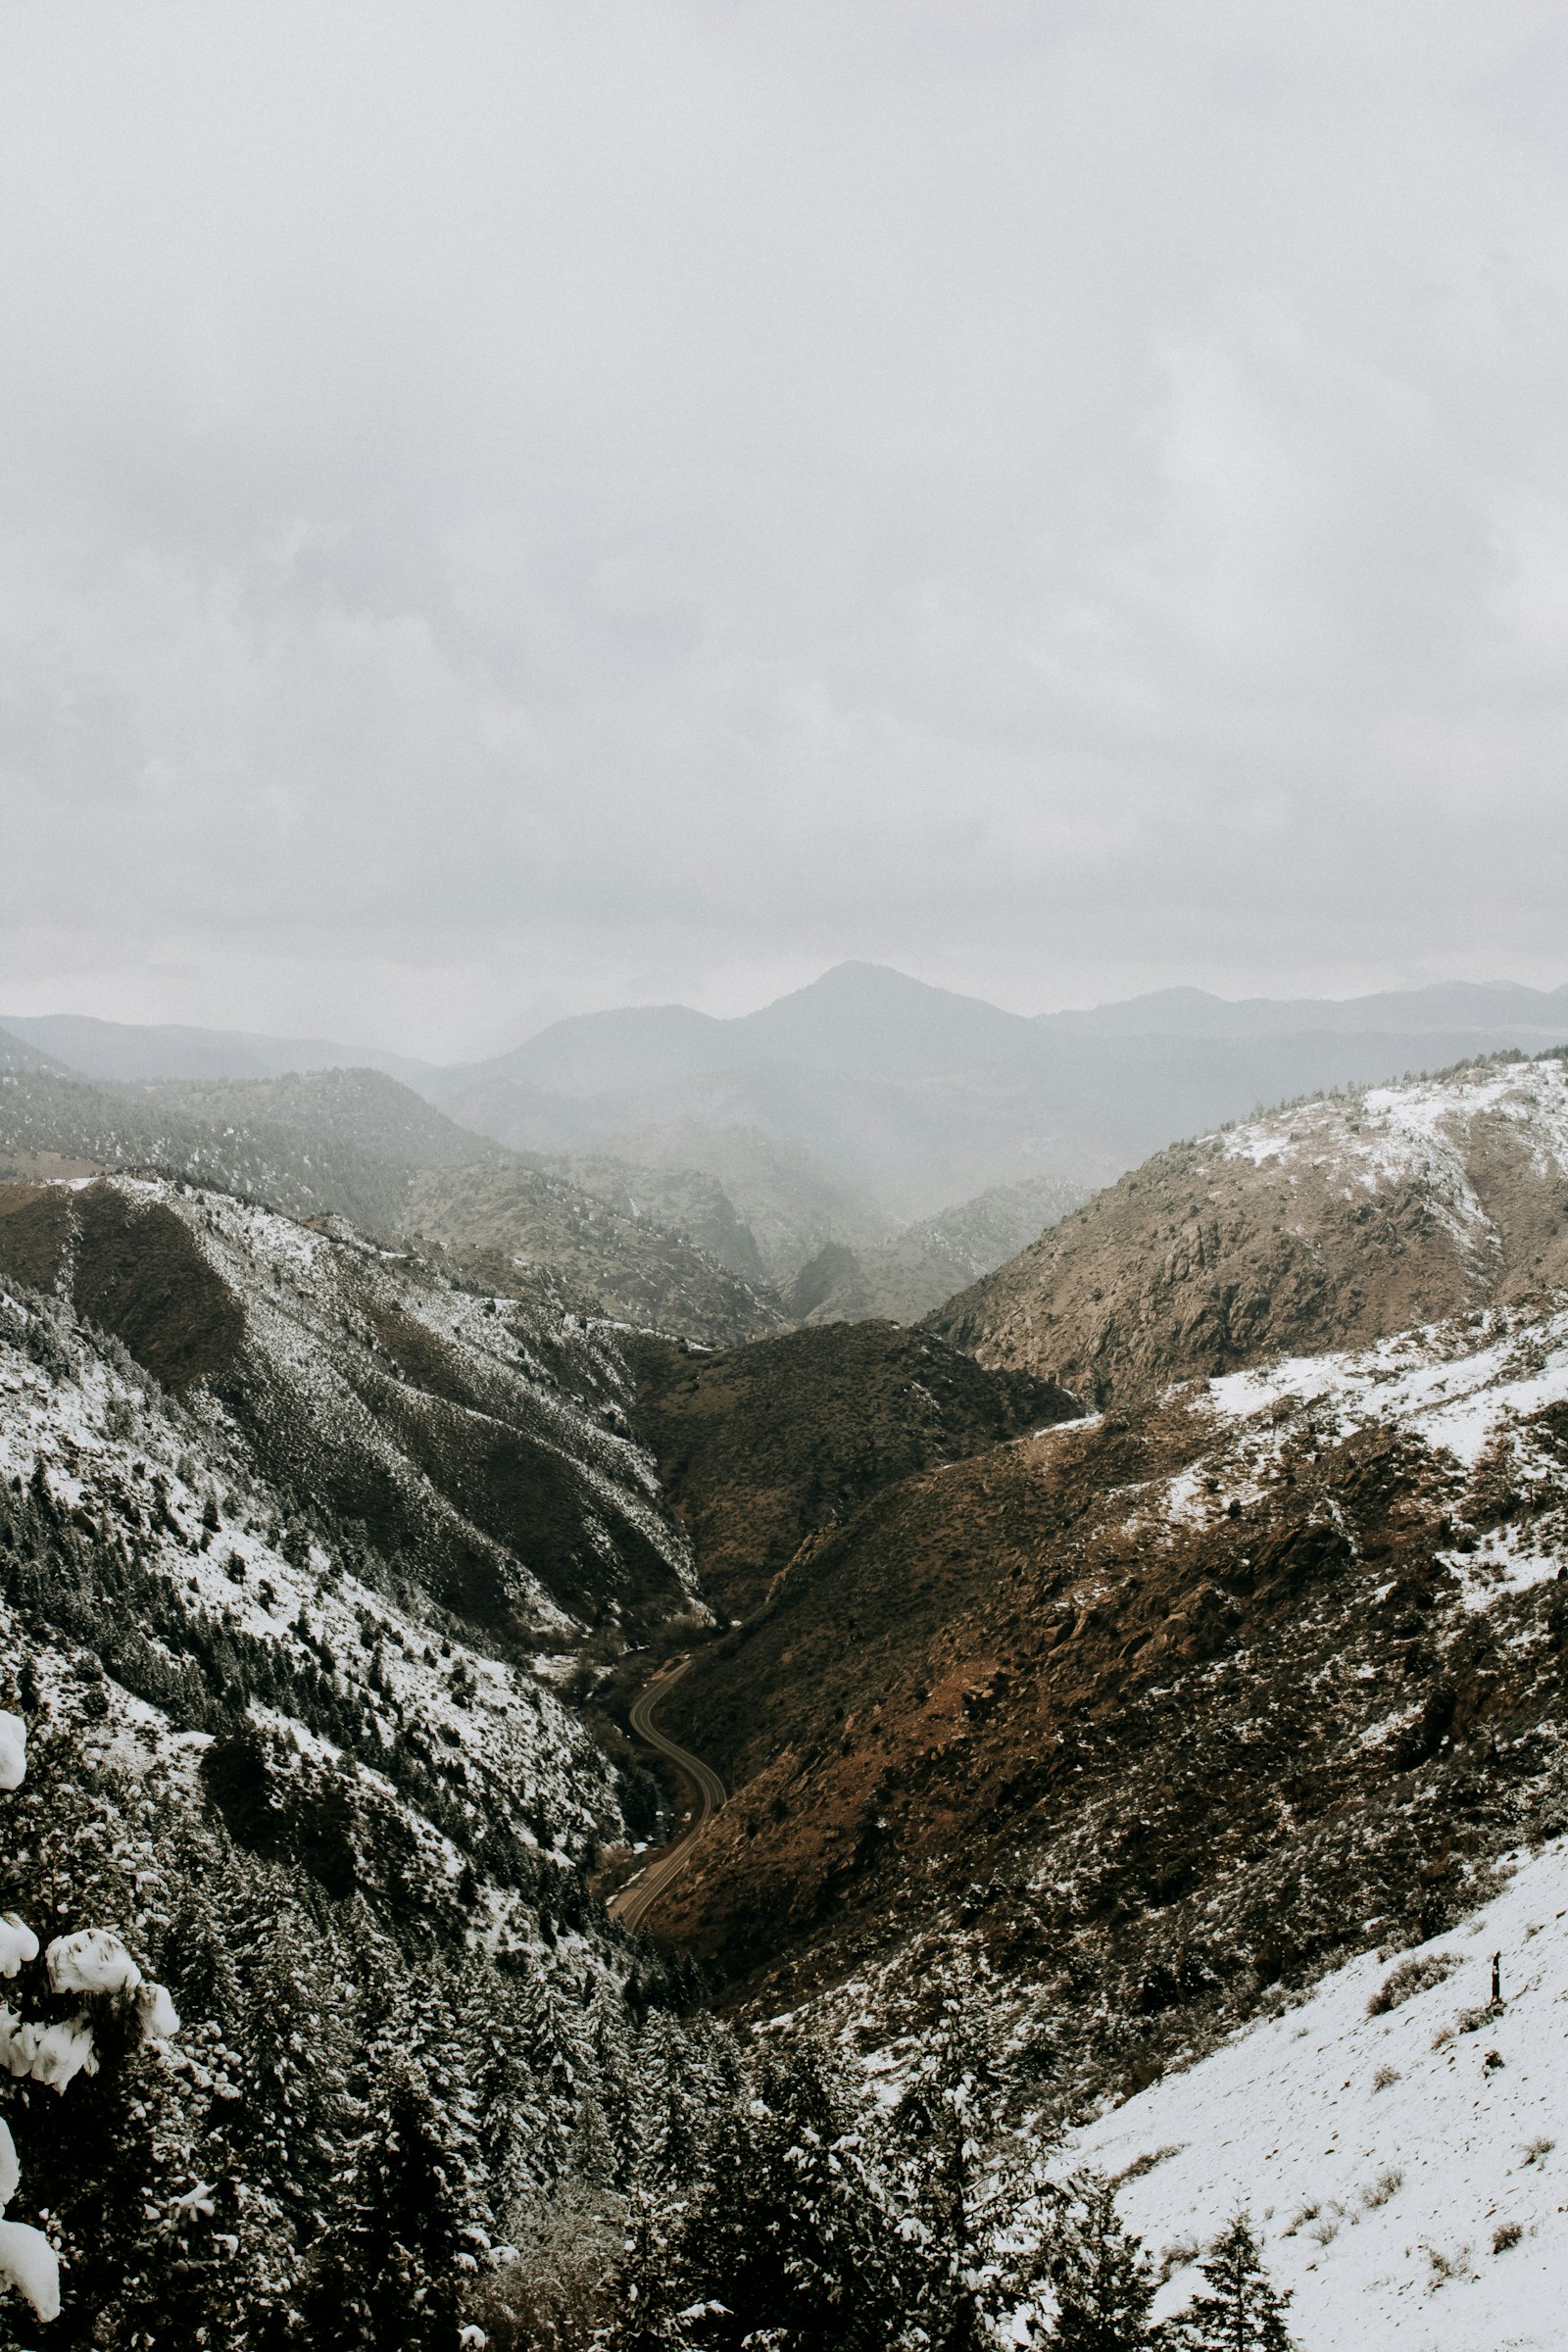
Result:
1404,2167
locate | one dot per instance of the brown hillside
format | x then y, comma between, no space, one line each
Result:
764,1448
1177,1704
1319,1227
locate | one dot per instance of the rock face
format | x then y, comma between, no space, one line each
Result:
1322,1226
765,1450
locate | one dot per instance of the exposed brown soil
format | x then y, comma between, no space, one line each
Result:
132,1268
1167,1755
1202,1260
765,1450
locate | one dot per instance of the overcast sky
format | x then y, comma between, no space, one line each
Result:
506,510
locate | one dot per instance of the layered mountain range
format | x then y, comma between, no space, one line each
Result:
1152,1657
868,1133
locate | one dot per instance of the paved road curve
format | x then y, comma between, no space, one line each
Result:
629,1905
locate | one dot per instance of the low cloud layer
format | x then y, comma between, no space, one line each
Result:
512,507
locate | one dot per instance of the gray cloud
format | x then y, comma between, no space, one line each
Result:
506,508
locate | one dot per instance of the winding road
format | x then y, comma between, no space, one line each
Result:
631,1902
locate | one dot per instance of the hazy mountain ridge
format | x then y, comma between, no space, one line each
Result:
790,1202
133,1052
1536,1015
363,1108
919,1096
919,1268
512,1228
132,1127
18,1059
359,1146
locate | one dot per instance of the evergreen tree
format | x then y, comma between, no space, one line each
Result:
1243,2311
1104,2282
391,2279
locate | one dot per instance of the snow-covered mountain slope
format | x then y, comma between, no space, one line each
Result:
139,1531
1400,2139
1325,1224
352,1846
479,1445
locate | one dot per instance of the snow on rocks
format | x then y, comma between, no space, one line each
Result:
29,2265
1400,2162
156,2013
1391,1134
13,1749
17,1944
94,1960
1454,1383
53,2055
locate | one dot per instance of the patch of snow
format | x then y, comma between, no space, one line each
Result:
18,1945
1402,2168
13,1749
94,1960
29,2265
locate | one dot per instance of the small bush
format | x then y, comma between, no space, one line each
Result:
1141,2165
1506,2235
1386,2185
1384,2076
1537,2150
1411,1977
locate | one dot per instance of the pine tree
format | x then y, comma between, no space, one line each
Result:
390,2280
1103,2281
1243,2311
